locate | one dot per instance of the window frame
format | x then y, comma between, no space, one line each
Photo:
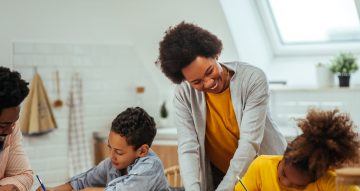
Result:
280,49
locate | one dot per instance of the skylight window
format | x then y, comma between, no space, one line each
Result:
315,21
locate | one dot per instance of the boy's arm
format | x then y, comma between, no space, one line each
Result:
67,187
146,174
95,177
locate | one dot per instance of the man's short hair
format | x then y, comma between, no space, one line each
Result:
13,89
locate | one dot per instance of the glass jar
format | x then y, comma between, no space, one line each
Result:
348,179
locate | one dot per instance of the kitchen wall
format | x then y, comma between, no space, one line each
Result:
108,87
112,44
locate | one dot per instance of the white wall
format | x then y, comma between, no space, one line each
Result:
248,33
98,25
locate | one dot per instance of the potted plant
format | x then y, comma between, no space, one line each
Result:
343,65
163,115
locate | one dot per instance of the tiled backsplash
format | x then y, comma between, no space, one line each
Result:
109,75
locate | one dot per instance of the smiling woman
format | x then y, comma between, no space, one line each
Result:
220,109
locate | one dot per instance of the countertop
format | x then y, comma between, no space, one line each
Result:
168,135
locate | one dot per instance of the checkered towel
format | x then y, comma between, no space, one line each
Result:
79,155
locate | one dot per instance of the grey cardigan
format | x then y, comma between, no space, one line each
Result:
258,133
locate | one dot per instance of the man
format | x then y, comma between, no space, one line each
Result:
15,172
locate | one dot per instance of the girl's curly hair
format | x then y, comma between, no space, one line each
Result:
181,45
328,141
13,89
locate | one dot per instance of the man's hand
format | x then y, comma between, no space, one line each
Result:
9,187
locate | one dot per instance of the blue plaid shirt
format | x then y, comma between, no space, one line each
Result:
145,174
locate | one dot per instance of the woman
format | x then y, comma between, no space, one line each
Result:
221,110
328,141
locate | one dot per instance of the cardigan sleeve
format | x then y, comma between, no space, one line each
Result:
188,145
253,90
17,170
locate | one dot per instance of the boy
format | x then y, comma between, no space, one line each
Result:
131,165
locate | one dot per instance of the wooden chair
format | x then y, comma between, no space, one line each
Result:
172,175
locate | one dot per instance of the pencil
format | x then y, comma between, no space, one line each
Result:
42,185
241,183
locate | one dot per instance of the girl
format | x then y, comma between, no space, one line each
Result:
328,141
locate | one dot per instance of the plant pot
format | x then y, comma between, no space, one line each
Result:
324,77
163,123
344,80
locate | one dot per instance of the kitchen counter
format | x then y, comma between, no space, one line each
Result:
169,135
166,136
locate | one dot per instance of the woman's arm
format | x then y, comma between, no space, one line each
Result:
188,146
252,126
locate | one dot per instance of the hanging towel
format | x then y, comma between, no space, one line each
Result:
79,155
37,116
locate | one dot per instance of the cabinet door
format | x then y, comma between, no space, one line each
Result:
101,151
167,153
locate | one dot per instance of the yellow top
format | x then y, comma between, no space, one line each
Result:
222,130
262,175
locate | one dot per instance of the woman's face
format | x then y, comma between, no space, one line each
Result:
291,177
205,74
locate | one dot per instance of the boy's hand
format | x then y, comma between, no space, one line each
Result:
63,187
93,189
9,187
47,189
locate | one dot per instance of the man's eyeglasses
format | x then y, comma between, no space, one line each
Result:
4,125
2,142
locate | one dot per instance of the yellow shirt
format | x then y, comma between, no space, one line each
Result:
262,175
222,130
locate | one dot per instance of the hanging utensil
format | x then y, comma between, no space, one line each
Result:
58,102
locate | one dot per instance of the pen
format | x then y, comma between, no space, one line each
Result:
42,185
241,183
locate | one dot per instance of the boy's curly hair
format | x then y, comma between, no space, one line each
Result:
136,125
13,89
181,45
328,141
